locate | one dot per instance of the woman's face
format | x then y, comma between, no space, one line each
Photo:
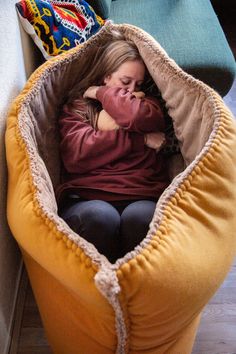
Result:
129,75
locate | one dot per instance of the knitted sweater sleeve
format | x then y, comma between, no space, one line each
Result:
84,149
141,115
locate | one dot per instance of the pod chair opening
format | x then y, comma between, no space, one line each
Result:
150,300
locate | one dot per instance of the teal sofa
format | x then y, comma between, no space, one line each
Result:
188,30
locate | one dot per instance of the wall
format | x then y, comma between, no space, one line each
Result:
17,60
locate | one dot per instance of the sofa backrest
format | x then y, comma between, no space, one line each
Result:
101,7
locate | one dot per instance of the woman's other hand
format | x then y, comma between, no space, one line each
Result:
139,94
106,122
155,140
91,92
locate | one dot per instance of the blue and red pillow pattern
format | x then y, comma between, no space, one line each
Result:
57,26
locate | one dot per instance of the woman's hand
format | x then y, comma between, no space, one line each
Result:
139,94
106,122
155,140
91,92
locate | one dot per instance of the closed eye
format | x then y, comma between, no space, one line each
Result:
125,82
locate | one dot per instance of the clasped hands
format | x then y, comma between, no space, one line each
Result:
154,140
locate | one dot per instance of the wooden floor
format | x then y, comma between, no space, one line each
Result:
28,334
217,330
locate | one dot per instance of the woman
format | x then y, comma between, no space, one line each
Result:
112,173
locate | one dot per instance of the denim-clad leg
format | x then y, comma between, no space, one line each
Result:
96,221
135,220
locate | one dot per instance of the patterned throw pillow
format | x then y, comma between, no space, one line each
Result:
57,26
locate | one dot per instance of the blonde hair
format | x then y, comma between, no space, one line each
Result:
107,60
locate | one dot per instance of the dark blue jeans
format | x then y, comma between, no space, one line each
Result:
114,228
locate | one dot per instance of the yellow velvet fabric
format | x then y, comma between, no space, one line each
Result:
163,286
72,325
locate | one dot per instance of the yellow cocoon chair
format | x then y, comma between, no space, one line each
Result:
150,300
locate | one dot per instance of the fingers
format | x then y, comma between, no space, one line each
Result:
155,140
139,94
91,92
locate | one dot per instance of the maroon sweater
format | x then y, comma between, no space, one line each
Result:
113,165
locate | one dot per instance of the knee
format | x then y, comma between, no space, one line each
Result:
93,216
102,215
139,213
98,222
135,221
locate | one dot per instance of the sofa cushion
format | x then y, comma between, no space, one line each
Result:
190,33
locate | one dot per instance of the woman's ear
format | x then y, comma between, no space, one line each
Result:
107,79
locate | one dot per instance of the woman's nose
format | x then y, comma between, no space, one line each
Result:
131,87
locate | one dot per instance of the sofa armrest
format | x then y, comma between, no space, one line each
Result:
101,7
